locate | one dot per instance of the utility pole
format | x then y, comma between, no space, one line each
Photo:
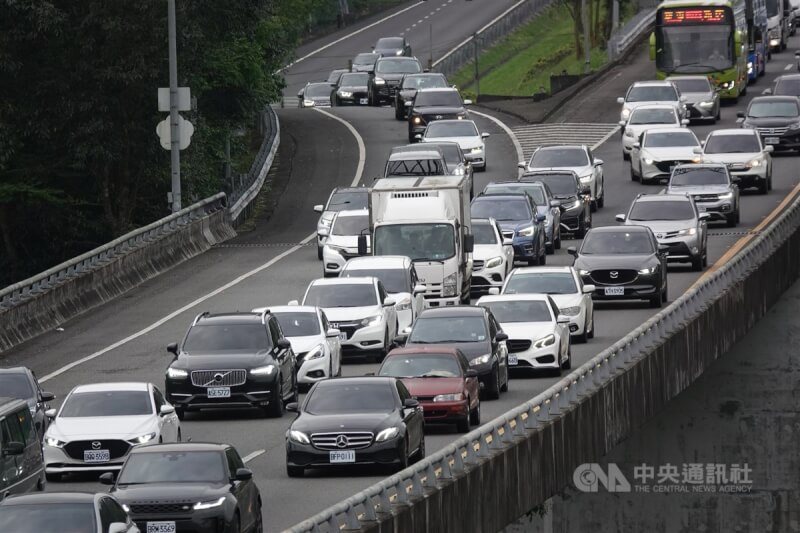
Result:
615,15
477,71
587,53
430,59
174,117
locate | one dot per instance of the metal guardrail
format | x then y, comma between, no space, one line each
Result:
88,262
530,417
628,35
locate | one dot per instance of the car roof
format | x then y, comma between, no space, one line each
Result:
49,497
618,229
436,349
505,195
541,270
378,261
119,386
359,380
654,106
15,370
437,89
703,165
158,447
652,83
344,213
546,172
278,309
443,143
676,129
688,77
237,317
663,197
530,296
319,83
6,401
363,190
794,76
734,131
514,182
774,98
366,280
454,120
453,311
423,153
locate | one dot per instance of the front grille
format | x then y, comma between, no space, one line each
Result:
737,166
424,398
706,198
477,265
772,131
667,235
438,116
518,345
613,277
218,378
664,166
117,448
349,328
148,508
341,441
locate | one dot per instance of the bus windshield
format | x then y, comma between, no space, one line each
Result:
694,48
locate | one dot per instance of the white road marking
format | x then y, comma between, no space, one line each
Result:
414,25
425,17
509,132
249,457
408,29
788,67
535,135
362,156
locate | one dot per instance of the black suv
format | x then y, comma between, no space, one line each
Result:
21,383
409,86
434,104
575,205
384,81
232,360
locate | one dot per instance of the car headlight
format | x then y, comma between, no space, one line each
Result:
266,370
545,341
583,272
417,120
386,434
398,53
727,85
526,232
449,285
316,352
403,305
177,373
629,133
126,508
462,116
448,397
482,360
379,81
626,112
749,65
345,94
726,196
298,436
147,437
308,103
688,231
571,311
476,150
648,270
210,504
755,162
573,205
55,443
587,178
372,320
494,262
794,126
648,161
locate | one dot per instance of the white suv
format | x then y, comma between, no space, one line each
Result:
651,92
342,241
492,257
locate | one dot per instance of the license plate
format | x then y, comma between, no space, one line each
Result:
702,208
343,456
614,291
772,140
96,456
363,101
513,359
219,392
161,527
342,336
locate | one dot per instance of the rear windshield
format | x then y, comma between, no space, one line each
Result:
342,201
501,209
484,234
173,467
670,139
670,210
331,398
415,167
520,311
460,128
652,116
16,386
698,176
531,190
787,87
298,324
107,403
343,295
48,518
424,82
559,184
356,225
356,78
322,89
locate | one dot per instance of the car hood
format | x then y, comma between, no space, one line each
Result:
612,261
465,143
101,427
341,422
433,386
665,226
638,129
700,189
567,300
770,122
353,88
214,361
470,349
363,68
696,98
580,171
527,330
731,158
347,241
171,492
483,252
634,105
508,225
305,343
388,52
438,110
346,314
671,152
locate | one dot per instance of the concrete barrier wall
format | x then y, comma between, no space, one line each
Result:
43,310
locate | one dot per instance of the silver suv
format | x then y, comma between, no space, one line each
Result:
676,224
711,188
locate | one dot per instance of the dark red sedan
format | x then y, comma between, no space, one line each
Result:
440,378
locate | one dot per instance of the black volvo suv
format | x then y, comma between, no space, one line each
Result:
235,360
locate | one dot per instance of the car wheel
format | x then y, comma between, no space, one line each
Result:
581,233
763,186
585,334
655,301
236,525
568,363
731,221
421,451
591,331
665,293
543,256
494,390
504,386
550,249
697,263
259,520
404,458
593,205
319,253
719,112
275,407
53,477
383,351
625,156
634,177
295,471
557,242
769,182
475,415
397,112
463,424
295,391
601,201
181,413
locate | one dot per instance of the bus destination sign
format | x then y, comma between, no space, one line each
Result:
693,15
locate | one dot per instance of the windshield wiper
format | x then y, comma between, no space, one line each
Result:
696,64
441,261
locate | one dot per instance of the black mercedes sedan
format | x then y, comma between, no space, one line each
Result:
434,104
188,487
349,421
351,89
777,120
623,263
233,360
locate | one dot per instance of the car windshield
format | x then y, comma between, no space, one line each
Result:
298,324
334,76
651,94
107,403
787,87
682,177
317,90
699,85
520,311
657,210
397,66
732,144
779,109
653,116
48,518
15,385
559,157
330,398
354,79
424,82
501,208
420,242
559,184
438,330
341,201
419,365
355,225
484,234
541,283
342,295
535,192
415,167
617,242
456,128
393,279
389,43
216,338
452,153
438,98
656,139
173,467
365,59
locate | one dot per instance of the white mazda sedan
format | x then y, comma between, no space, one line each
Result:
98,425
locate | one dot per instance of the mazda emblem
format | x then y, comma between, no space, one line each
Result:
96,445
341,441
614,274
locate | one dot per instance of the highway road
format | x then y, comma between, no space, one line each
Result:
125,339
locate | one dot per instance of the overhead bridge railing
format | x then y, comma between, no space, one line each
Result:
494,475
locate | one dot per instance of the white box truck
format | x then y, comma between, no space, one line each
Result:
426,218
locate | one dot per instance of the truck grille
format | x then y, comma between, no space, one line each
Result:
116,448
613,277
218,378
341,441
518,345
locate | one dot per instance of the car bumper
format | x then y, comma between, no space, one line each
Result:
696,111
196,521
682,249
254,393
524,248
444,412
442,301
749,177
314,370
577,323
486,278
58,461
332,261
366,339
477,159
533,358
404,319
571,220
385,92
788,141
627,143
643,288
416,129
356,98
717,210
306,455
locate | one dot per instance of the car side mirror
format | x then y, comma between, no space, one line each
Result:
740,114
500,337
106,478
467,102
420,288
319,208
284,344
118,527
388,302
555,203
50,413
620,100
13,448
494,291
292,407
46,396
588,289
418,136
485,135
469,243
508,242
522,165
697,150
408,103
703,142
410,403
540,217
637,145
703,216
400,340
471,373
767,91
620,218
797,54
332,332
685,122
293,302
362,245
300,93
166,410
598,162
243,474
172,348
622,123
769,148
572,251
563,319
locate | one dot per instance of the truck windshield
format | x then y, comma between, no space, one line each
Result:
420,242
772,7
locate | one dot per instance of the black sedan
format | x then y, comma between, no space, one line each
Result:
623,263
777,120
434,104
392,46
351,89
409,86
364,62
188,486
348,421
21,383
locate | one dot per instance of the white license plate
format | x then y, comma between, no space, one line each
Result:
363,101
614,291
702,208
772,140
343,456
513,359
342,336
161,527
96,456
219,392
